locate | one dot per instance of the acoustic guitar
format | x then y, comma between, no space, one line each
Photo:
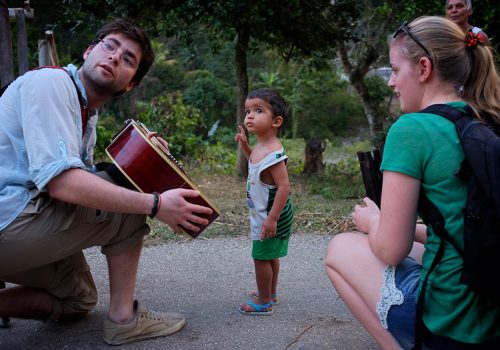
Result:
149,167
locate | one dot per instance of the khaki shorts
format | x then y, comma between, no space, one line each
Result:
43,247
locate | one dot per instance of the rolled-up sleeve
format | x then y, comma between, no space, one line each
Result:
50,119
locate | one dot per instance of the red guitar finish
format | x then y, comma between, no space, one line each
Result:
150,169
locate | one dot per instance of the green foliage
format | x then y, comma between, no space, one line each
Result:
219,153
332,185
322,104
415,8
287,25
165,76
216,158
344,166
177,123
271,80
486,15
378,90
340,179
294,149
322,203
210,95
342,170
225,136
106,129
290,49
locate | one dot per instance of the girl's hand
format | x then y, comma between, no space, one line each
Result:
366,217
241,137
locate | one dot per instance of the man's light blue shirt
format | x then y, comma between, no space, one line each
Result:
40,135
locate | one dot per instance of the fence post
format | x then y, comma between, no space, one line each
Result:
22,42
8,15
6,65
47,53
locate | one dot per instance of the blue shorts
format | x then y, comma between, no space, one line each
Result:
398,303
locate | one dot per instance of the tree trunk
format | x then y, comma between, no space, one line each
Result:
314,156
370,111
356,77
242,92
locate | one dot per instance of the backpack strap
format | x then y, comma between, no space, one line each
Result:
433,217
452,114
429,212
419,312
83,107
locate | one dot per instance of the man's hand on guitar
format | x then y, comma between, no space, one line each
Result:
158,141
176,211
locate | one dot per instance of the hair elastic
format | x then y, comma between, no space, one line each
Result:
472,39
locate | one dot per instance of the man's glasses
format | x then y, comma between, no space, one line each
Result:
111,47
404,28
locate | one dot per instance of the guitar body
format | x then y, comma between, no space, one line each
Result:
143,162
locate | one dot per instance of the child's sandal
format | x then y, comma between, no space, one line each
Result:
259,309
274,296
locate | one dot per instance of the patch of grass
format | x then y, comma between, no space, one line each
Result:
315,212
322,203
226,192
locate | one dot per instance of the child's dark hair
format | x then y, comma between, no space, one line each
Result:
129,30
278,104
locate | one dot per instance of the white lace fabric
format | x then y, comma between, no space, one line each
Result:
389,295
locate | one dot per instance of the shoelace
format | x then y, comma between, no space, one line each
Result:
153,314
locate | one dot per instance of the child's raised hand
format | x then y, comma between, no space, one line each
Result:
241,137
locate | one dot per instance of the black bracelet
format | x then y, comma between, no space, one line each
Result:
156,206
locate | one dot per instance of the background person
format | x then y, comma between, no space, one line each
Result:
377,274
52,206
459,12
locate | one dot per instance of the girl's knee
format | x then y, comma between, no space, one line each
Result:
339,241
342,247
333,246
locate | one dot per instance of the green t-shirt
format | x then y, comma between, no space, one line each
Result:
426,147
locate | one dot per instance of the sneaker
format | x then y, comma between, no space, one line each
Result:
147,324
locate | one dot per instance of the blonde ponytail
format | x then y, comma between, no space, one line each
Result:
470,68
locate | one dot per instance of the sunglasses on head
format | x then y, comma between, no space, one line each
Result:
404,28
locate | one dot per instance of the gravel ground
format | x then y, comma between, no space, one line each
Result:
206,279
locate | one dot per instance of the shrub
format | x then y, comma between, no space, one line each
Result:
106,129
177,123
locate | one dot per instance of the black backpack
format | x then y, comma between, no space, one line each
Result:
481,170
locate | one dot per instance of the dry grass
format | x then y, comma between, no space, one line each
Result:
313,213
